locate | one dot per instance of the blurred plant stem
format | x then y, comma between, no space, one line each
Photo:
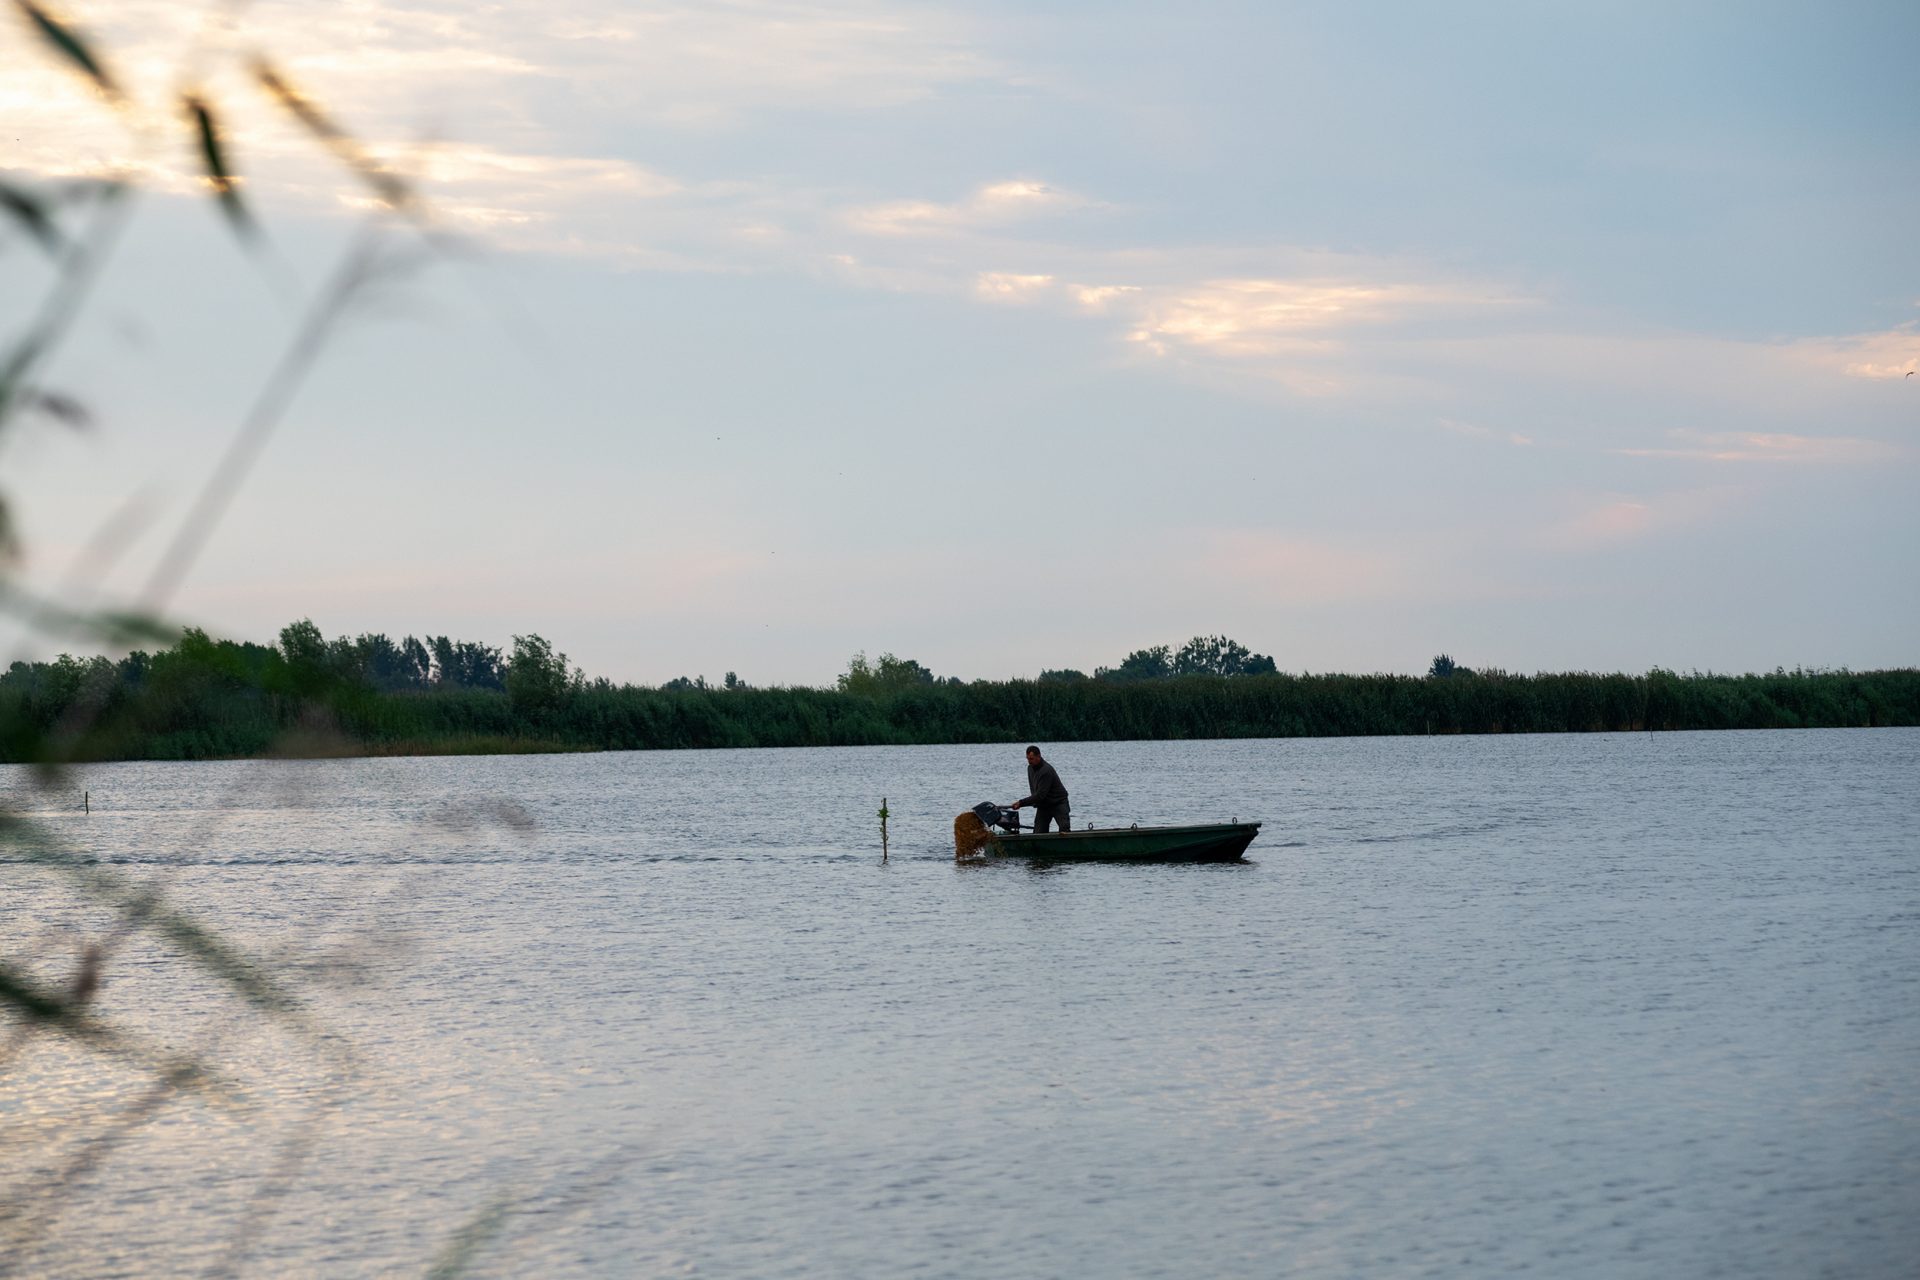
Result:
75,227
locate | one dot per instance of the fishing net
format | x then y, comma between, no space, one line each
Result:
971,838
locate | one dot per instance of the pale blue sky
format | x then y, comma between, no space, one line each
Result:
1552,337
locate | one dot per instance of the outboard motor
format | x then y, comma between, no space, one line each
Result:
997,816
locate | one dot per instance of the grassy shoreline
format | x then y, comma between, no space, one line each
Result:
199,709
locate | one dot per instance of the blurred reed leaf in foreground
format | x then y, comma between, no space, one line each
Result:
220,175
66,230
35,213
390,187
77,49
140,906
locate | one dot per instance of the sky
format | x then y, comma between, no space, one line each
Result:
1009,337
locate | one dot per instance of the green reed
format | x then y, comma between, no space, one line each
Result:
205,698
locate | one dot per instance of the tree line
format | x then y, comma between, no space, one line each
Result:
207,697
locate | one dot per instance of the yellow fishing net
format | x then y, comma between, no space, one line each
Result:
971,838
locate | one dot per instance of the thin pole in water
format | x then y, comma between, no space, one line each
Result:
883,828
86,801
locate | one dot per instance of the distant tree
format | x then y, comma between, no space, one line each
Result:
134,668
68,680
734,682
480,666
378,661
899,672
1155,663
858,677
443,664
1065,675
440,659
302,645
538,679
885,674
1219,656
685,684
1445,668
417,663
309,663
465,665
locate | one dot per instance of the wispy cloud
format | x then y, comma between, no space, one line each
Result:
1474,431
1775,447
1101,298
529,81
714,64
1889,354
1007,286
1275,316
1264,317
395,73
491,188
995,204
1317,332
1299,331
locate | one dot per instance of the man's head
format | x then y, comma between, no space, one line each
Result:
1033,755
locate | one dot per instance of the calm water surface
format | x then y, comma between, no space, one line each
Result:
1621,1005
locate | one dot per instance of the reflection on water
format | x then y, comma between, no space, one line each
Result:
1580,1006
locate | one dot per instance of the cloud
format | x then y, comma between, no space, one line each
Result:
1777,447
713,64
1007,286
1313,334
1261,317
477,165
1888,354
1019,194
1305,324
515,77
1473,431
535,82
530,80
492,188
1099,298
995,204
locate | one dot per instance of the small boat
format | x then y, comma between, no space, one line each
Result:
1207,842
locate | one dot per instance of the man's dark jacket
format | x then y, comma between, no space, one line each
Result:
1048,793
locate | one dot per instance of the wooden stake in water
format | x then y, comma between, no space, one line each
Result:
883,828
86,801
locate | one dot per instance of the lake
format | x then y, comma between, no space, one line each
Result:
1570,1006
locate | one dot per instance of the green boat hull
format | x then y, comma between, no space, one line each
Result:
1214,842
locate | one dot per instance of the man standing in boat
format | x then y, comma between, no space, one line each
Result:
1048,797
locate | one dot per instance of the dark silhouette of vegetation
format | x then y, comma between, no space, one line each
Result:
1155,663
1219,656
205,698
1200,656
883,675
539,681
